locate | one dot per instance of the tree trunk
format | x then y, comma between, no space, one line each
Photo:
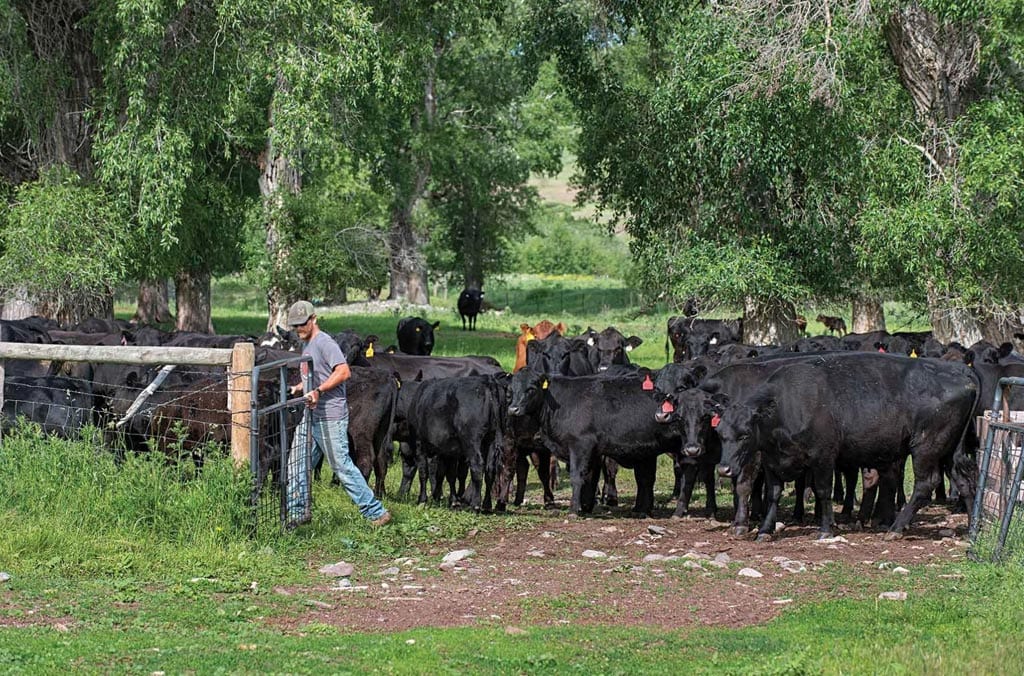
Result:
939,65
868,315
19,306
151,306
769,322
59,33
279,176
407,265
192,296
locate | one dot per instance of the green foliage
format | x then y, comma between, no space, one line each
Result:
333,236
571,246
63,241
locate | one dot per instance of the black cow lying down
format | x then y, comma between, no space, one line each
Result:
859,409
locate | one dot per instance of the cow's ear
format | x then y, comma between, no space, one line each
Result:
719,401
524,328
699,372
633,342
561,328
1005,350
969,357
435,325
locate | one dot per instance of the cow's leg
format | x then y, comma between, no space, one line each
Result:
822,479
408,458
838,495
869,495
773,484
743,489
543,461
677,487
964,477
927,474
800,491
708,471
847,475
610,492
885,508
522,474
644,471
758,494
583,475
686,475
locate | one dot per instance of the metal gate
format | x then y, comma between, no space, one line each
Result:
275,418
993,533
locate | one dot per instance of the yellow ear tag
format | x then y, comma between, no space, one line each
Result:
398,383
529,337
544,385
369,350
913,354
417,329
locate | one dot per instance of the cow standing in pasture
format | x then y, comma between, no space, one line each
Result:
836,325
585,419
469,304
861,409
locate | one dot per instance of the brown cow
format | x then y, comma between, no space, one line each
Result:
540,331
833,324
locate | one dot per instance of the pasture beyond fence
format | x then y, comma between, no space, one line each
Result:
993,531
200,412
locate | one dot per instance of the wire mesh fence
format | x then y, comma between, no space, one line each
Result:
150,404
995,532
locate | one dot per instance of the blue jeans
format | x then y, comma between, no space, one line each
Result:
330,438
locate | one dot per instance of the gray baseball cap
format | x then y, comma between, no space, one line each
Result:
299,313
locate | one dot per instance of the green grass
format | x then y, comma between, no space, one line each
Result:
139,568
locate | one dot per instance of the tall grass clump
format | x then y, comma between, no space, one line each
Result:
70,509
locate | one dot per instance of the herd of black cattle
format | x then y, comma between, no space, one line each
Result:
820,412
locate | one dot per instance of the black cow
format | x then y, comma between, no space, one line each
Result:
22,331
610,348
409,367
60,406
691,337
878,409
864,342
986,352
582,419
194,339
281,338
462,420
372,400
818,344
696,413
470,302
416,335
835,325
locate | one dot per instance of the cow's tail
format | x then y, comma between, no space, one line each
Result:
666,349
500,462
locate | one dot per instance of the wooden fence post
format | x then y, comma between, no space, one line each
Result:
243,356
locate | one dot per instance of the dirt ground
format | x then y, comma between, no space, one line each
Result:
612,569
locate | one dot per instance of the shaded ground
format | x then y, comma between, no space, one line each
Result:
542,576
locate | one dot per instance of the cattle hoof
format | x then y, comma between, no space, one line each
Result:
550,505
740,531
893,535
763,537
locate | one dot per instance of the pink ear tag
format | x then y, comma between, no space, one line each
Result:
667,407
648,385
715,419
881,349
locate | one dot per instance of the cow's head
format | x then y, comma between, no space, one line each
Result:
611,347
695,413
741,428
526,392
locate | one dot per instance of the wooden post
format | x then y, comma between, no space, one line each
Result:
2,362
240,384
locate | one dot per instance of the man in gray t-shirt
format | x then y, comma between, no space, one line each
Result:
328,419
